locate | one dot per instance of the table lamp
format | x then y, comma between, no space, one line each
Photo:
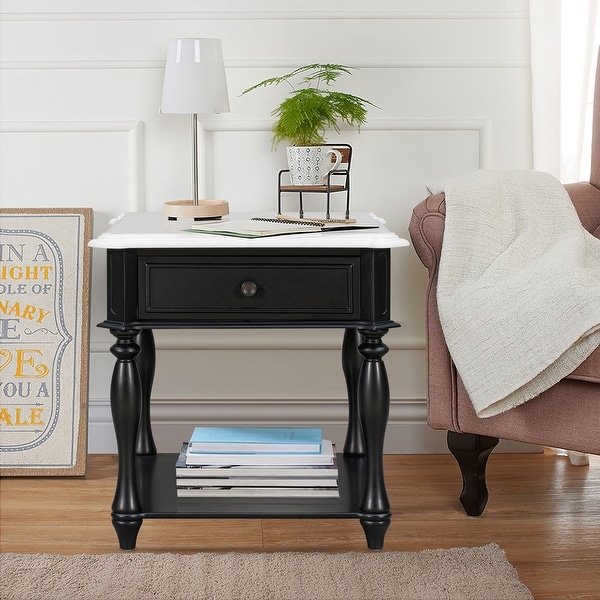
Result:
194,84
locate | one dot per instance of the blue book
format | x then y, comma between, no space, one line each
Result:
304,440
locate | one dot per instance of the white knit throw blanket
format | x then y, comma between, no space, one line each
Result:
518,288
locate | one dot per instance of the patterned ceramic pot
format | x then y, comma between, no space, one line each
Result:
309,165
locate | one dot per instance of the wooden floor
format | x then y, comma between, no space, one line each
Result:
544,512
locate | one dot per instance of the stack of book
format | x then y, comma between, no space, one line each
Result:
268,462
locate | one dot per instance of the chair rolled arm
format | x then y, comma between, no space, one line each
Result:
586,199
426,226
426,230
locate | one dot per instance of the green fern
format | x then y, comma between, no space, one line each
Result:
305,115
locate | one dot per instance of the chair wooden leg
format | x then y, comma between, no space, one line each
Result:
472,452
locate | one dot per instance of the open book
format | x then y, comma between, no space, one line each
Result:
262,227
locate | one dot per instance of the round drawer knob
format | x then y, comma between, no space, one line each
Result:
249,288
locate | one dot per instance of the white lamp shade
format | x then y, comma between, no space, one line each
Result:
195,78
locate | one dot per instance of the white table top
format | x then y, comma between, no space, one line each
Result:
154,230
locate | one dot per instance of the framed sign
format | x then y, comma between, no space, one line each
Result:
44,340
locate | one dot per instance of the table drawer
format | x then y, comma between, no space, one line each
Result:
290,287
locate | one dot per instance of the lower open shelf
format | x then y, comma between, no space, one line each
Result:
156,480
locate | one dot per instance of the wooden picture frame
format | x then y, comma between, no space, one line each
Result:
44,340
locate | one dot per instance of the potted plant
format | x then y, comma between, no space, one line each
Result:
310,109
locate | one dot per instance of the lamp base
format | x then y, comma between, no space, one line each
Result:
186,209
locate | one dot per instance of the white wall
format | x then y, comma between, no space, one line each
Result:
80,86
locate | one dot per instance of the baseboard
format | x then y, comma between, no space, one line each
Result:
407,432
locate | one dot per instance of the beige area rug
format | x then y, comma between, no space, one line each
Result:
481,573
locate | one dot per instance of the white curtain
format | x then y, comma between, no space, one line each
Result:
564,46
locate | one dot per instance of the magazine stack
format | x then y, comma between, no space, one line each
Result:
268,462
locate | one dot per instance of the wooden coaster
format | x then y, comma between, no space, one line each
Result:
205,209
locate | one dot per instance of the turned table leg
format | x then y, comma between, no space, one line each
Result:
352,361
145,362
374,403
125,401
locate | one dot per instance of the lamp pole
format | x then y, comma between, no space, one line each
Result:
195,158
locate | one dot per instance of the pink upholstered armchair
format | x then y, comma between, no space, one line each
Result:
565,416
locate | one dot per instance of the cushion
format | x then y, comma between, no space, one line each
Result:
589,369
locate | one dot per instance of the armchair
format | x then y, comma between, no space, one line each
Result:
565,416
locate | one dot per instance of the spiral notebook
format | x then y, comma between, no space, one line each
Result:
258,227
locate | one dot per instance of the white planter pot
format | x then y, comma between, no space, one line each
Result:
309,165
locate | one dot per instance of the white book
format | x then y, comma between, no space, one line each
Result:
325,457
182,469
274,482
286,492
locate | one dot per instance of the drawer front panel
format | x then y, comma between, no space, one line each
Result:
198,288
